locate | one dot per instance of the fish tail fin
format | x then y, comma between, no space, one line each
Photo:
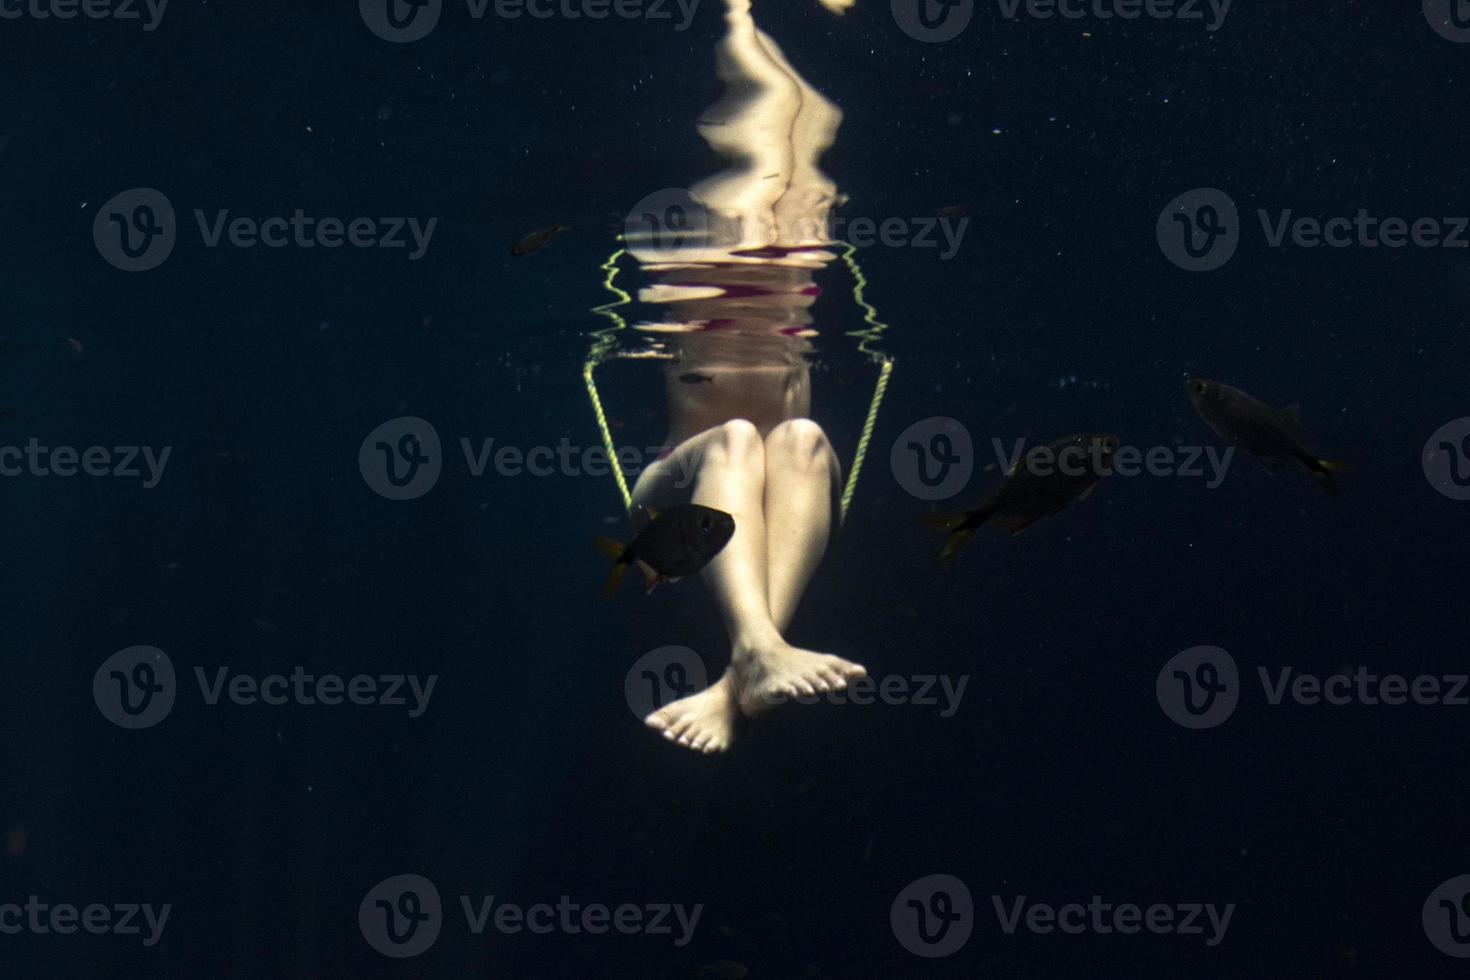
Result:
650,577
618,552
1325,470
960,528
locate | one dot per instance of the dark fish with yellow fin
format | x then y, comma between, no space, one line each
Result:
677,541
1270,435
1046,480
537,240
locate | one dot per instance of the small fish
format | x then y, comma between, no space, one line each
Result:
1046,480
694,378
724,970
1271,436
677,541
537,240
72,344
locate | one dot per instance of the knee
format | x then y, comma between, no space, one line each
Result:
736,439
799,442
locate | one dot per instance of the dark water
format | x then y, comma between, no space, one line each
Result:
526,777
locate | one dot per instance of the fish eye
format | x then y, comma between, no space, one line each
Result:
1200,387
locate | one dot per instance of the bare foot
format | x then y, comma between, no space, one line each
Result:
704,722
770,674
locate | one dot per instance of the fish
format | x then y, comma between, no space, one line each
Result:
694,378
72,344
537,240
1271,435
1045,481
677,541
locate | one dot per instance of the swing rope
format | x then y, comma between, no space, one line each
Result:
604,345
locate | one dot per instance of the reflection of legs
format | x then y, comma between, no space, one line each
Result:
801,475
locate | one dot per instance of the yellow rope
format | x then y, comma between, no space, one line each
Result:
604,342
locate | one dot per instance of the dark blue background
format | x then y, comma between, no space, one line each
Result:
528,778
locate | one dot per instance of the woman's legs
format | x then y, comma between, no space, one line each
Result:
779,490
